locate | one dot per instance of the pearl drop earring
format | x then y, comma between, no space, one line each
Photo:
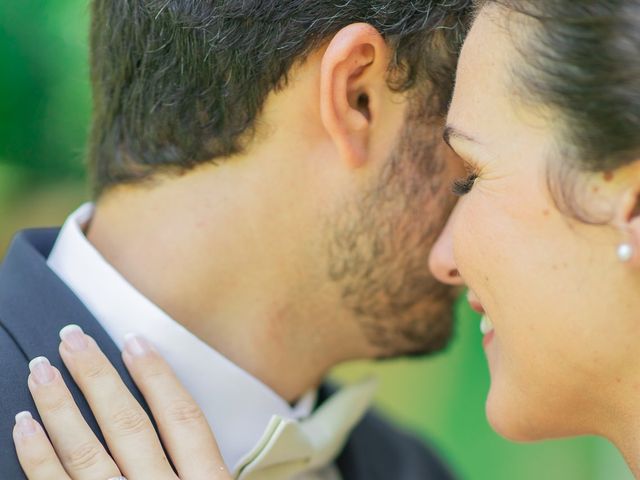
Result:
625,252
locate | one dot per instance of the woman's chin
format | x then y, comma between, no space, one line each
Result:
511,421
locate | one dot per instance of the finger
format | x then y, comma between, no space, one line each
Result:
183,427
80,452
132,440
35,453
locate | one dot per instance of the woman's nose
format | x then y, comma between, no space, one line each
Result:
441,260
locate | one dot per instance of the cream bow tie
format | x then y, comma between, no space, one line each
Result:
289,447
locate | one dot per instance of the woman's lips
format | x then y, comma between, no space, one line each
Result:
486,325
486,340
476,306
474,302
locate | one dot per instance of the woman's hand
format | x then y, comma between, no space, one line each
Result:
75,453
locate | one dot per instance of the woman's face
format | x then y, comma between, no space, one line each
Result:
565,316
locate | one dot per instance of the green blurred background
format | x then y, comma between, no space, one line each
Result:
44,112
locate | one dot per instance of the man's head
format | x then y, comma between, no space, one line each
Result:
319,120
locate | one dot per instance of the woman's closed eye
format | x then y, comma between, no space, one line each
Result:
462,186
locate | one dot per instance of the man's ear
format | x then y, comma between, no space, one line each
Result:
352,81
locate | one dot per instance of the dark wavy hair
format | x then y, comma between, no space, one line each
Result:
582,59
177,83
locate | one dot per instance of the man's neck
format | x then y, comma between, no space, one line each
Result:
212,275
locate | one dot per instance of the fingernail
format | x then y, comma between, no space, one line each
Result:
74,338
25,423
42,371
136,345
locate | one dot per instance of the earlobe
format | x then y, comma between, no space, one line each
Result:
352,73
628,218
634,233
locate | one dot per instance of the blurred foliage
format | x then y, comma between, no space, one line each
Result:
44,107
44,113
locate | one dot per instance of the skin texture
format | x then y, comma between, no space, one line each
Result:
564,356
311,247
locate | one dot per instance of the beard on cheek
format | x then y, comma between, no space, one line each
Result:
379,248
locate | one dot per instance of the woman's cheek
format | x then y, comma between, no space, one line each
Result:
477,241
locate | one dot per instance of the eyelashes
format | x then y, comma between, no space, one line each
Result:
463,186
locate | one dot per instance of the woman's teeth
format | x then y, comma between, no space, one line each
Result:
485,325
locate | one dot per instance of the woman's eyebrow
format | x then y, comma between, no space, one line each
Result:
452,132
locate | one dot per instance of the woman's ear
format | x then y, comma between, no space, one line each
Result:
352,80
627,219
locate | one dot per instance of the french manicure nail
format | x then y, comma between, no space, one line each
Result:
42,370
136,345
74,338
25,423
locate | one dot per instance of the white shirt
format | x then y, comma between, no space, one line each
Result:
237,406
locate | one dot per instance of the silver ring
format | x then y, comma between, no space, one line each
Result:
117,478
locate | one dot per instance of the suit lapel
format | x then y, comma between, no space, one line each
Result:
35,304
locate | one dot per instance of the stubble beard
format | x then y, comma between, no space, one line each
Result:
380,244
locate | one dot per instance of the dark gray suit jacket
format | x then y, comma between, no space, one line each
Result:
35,304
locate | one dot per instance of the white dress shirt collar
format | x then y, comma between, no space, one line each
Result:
237,406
